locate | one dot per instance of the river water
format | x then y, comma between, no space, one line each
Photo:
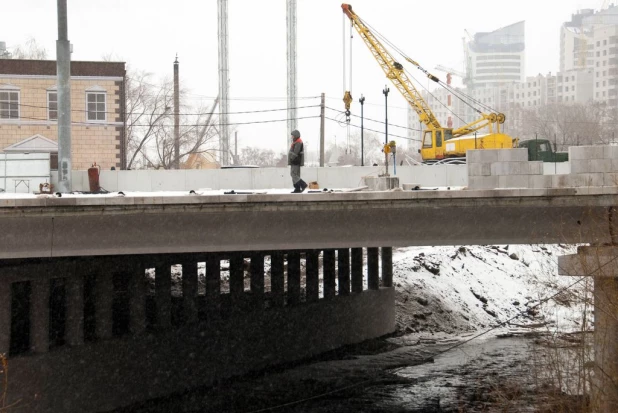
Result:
423,375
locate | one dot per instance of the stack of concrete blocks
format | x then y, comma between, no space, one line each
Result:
591,166
504,168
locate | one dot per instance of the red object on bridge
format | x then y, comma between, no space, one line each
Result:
93,177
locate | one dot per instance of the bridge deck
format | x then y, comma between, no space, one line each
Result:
145,224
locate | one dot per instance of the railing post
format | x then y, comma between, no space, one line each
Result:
237,281
213,285
104,297
137,297
277,279
257,279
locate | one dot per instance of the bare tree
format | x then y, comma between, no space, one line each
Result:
258,156
31,51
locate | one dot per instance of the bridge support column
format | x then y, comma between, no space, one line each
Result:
313,277
293,278
330,282
103,303
213,285
163,294
74,287
237,281
137,297
357,270
5,317
257,280
373,268
277,279
39,315
387,266
602,264
189,290
343,271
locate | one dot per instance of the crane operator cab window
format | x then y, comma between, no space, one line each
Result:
428,139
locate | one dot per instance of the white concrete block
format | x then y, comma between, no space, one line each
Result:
539,181
612,152
514,181
482,155
456,175
610,179
535,168
556,168
509,168
479,169
601,165
587,152
483,182
580,166
513,155
577,180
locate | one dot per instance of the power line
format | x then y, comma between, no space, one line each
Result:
377,121
186,114
373,130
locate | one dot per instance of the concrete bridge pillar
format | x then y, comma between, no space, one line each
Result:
357,270
387,266
104,299
213,285
5,316
373,268
328,271
39,315
257,280
163,294
293,278
137,297
343,271
277,279
602,264
189,290
313,275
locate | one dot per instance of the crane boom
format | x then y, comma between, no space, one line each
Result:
394,71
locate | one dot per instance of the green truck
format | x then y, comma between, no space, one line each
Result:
543,150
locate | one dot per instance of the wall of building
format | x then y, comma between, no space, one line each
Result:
92,141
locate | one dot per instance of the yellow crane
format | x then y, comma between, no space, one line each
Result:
438,142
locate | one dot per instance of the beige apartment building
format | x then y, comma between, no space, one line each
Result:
29,111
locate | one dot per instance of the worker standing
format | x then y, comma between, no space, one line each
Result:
296,159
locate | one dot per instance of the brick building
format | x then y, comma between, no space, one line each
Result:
29,110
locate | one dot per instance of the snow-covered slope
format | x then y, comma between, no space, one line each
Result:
467,288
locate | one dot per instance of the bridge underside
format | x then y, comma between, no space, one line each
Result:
97,333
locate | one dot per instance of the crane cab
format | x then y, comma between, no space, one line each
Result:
434,142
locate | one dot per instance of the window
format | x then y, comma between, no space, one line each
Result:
573,78
52,105
598,54
597,64
566,88
604,52
9,104
95,106
605,42
598,43
604,83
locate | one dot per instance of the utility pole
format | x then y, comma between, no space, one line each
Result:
176,117
236,147
362,102
224,104
63,69
385,91
322,107
291,69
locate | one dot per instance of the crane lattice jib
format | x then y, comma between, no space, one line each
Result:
393,70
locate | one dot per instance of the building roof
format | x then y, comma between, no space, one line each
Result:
508,39
35,143
48,68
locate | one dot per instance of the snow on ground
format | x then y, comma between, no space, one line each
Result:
471,288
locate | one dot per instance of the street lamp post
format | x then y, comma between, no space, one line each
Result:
385,91
362,102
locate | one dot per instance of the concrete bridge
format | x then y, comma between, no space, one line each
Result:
106,301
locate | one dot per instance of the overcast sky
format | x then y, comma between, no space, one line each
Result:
148,33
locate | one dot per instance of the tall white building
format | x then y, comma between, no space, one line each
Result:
497,57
